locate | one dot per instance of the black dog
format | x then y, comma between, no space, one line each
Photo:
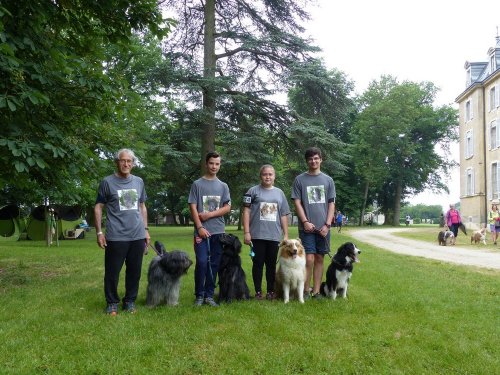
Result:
164,276
340,270
232,279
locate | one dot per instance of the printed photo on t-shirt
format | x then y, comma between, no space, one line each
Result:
128,199
268,211
316,194
211,203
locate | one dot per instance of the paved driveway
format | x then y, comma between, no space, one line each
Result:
470,255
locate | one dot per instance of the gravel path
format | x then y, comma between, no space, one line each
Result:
385,239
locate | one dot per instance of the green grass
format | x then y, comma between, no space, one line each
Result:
404,315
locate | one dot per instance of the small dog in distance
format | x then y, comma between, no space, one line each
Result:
478,236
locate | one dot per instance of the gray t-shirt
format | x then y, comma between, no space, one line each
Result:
315,193
267,206
122,197
210,195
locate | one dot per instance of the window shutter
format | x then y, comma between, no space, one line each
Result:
498,179
497,95
491,187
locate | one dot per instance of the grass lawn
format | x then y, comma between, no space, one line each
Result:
404,315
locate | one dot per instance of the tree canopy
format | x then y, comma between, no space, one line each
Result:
402,141
63,103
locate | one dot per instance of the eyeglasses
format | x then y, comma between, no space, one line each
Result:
125,161
314,158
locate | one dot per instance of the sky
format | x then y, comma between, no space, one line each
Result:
417,41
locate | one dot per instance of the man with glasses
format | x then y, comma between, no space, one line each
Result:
122,195
314,194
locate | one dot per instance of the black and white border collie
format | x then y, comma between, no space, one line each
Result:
340,271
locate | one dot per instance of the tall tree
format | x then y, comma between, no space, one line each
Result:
233,56
402,141
61,106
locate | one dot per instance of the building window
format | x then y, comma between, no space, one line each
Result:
469,181
495,184
492,63
493,135
493,99
468,110
469,78
469,145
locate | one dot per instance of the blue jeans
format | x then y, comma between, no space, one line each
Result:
207,264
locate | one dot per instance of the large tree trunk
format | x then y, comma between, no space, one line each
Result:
209,60
397,203
363,208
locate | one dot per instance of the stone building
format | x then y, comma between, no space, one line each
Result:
479,107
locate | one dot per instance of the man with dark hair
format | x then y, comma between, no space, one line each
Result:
123,195
314,194
209,200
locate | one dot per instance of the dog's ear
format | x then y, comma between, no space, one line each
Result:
237,244
160,248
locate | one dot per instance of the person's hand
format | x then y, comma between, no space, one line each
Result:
101,240
203,233
148,238
247,238
324,230
309,227
204,216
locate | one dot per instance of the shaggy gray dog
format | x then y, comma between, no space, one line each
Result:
164,276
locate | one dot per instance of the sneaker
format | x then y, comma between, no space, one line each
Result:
129,307
317,296
259,296
112,309
271,296
307,296
211,302
198,301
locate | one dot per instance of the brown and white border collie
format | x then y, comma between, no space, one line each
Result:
291,273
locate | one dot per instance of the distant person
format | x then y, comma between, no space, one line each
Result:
441,220
122,195
339,220
453,220
407,220
265,223
209,201
314,195
494,221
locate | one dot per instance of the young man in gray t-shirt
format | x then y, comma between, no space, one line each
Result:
314,194
209,200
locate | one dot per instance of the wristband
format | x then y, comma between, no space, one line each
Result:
247,233
99,233
305,221
200,227
328,225
146,228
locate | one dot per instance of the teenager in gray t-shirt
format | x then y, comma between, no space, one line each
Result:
314,197
209,201
265,223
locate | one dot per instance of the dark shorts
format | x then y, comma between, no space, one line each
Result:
315,243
